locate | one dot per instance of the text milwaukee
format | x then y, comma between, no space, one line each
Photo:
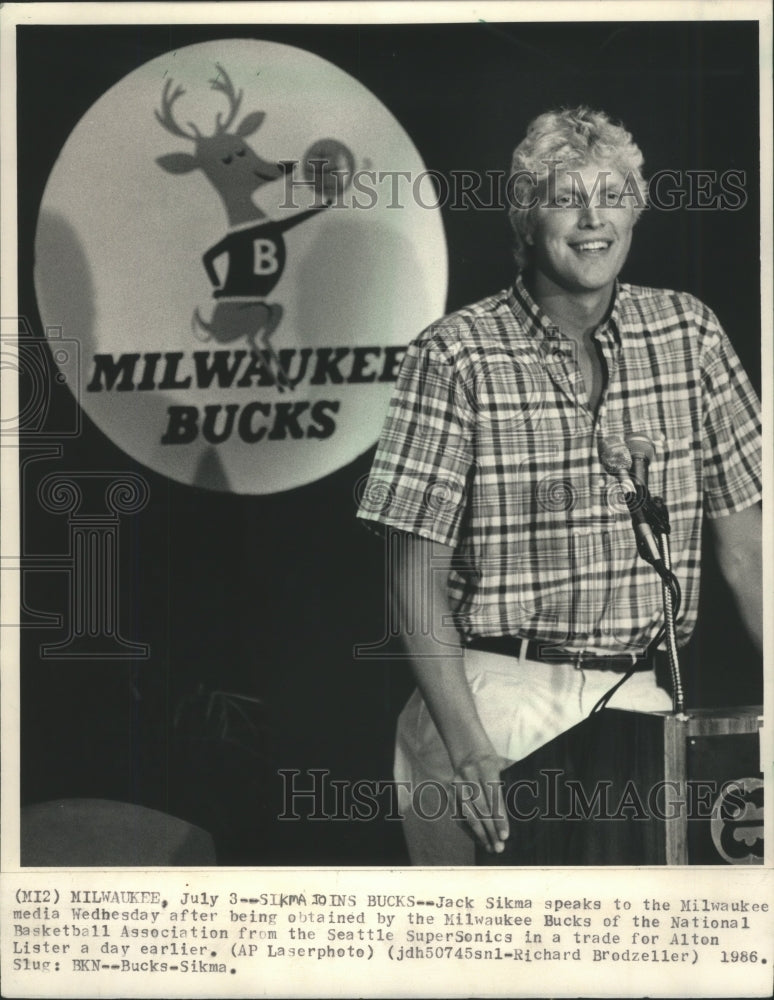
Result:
241,369
708,905
112,896
253,421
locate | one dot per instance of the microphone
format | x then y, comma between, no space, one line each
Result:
642,452
615,456
618,458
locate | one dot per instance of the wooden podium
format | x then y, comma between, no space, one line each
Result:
627,788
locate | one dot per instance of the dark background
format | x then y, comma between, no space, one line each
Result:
266,596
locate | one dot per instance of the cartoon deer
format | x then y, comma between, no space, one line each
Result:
254,248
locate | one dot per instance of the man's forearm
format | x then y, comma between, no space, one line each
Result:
738,539
420,599
747,588
419,596
439,671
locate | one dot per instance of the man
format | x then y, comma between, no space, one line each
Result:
516,578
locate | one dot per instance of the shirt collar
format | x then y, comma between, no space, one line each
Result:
541,326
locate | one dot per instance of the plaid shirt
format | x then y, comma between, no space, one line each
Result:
490,447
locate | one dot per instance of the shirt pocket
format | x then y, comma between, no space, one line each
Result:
673,473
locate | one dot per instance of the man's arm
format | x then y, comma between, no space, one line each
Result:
418,594
737,540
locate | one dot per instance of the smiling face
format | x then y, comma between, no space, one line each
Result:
232,166
582,229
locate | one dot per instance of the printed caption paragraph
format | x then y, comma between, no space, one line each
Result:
235,933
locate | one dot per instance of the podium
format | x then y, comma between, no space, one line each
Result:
629,788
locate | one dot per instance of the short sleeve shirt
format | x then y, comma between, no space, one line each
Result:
489,447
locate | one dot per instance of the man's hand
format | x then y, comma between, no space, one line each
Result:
478,791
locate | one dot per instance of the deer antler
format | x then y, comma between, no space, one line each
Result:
167,118
226,87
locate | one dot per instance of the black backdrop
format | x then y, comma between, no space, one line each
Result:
266,596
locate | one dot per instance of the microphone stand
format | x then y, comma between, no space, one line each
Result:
657,515
650,520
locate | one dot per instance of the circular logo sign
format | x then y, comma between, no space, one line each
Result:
243,240
737,822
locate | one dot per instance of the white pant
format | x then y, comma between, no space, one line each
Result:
523,704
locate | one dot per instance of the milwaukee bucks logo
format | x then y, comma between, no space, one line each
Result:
242,274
